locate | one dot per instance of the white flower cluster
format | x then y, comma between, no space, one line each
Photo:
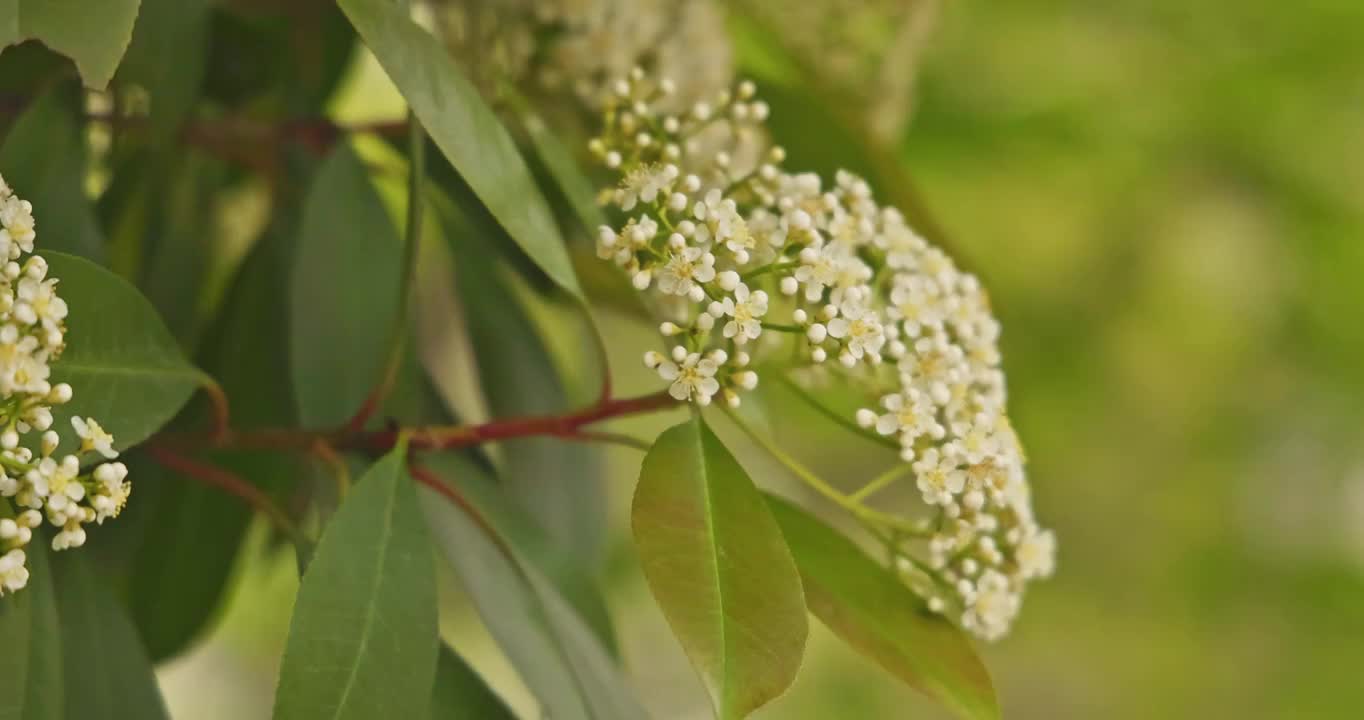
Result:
34,485
582,45
738,258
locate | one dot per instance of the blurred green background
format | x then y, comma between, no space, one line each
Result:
1166,200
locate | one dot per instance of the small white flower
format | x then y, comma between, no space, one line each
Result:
860,328
644,182
685,269
13,574
1036,555
939,477
745,308
694,379
93,437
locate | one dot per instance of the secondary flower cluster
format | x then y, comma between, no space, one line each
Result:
39,483
743,257
582,45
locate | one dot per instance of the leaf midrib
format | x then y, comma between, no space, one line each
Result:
706,498
387,537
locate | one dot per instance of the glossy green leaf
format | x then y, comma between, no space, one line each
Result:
565,666
108,676
465,129
94,34
362,642
871,609
32,661
167,57
125,368
460,694
44,160
344,293
719,568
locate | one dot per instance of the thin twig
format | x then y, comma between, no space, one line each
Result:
228,482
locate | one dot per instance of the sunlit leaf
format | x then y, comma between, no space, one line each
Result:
719,568
460,693
127,371
32,661
362,642
867,606
94,34
565,666
465,129
107,674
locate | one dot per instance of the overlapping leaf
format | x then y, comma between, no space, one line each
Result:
566,667
32,661
874,612
94,34
465,129
127,371
362,642
719,568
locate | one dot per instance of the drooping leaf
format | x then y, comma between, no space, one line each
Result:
520,378
362,642
108,676
719,568
465,129
460,694
166,59
875,613
344,292
44,160
565,666
32,661
94,34
125,368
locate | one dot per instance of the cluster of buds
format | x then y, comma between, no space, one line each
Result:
38,484
744,258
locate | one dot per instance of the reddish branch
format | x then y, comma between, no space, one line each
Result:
223,480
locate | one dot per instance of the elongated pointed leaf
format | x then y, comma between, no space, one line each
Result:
94,34
362,642
465,129
125,368
719,568
563,168
108,676
345,291
166,58
558,657
873,611
32,661
459,693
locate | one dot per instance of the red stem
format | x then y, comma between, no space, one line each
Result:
221,479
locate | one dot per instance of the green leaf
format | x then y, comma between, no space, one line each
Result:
44,160
558,160
559,483
465,129
873,611
125,368
94,34
719,568
107,671
167,58
31,663
460,693
362,642
344,292
563,664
